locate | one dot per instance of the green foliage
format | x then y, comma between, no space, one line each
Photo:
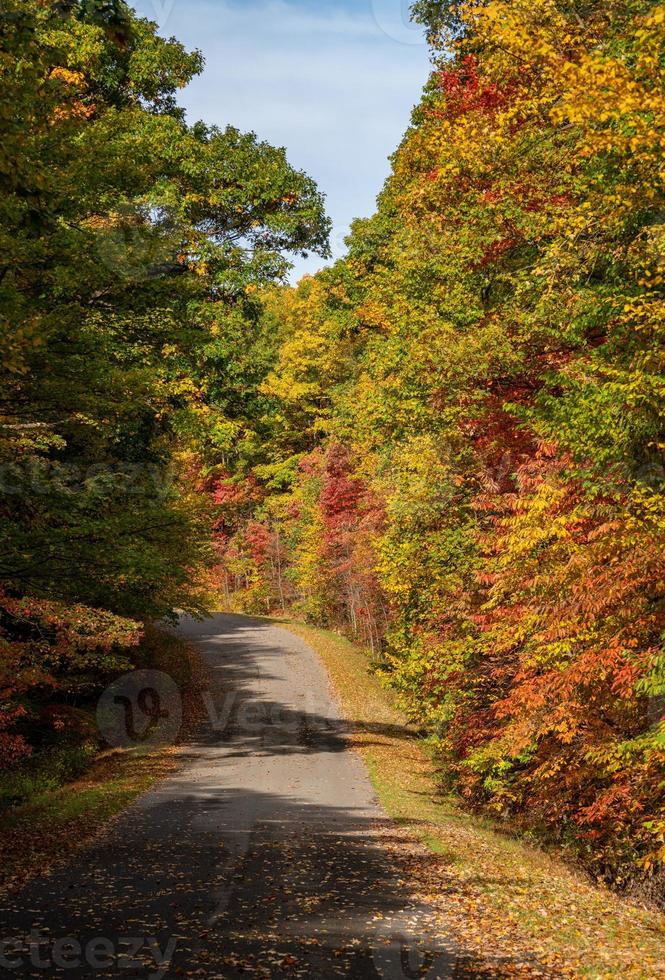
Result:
131,244
45,771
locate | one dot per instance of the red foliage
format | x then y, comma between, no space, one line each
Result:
258,539
42,642
465,91
340,496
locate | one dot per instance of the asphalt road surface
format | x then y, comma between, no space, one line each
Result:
262,856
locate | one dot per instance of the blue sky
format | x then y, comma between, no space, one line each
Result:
333,82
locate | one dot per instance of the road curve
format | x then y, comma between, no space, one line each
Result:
262,856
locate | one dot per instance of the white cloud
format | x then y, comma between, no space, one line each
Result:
325,80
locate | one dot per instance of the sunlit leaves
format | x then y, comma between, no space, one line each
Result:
488,362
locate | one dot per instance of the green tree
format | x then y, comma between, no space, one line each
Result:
131,242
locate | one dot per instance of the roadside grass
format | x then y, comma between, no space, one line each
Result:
496,893
63,798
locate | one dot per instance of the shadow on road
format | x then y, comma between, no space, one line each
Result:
264,856
308,726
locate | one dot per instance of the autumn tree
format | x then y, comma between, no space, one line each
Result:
483,375
131,244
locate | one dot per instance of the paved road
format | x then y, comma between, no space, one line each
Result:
263,856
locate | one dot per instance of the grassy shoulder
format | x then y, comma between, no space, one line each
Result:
492,890
66,797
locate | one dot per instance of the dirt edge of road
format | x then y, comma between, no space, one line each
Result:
492,890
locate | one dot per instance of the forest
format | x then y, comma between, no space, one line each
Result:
449,445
